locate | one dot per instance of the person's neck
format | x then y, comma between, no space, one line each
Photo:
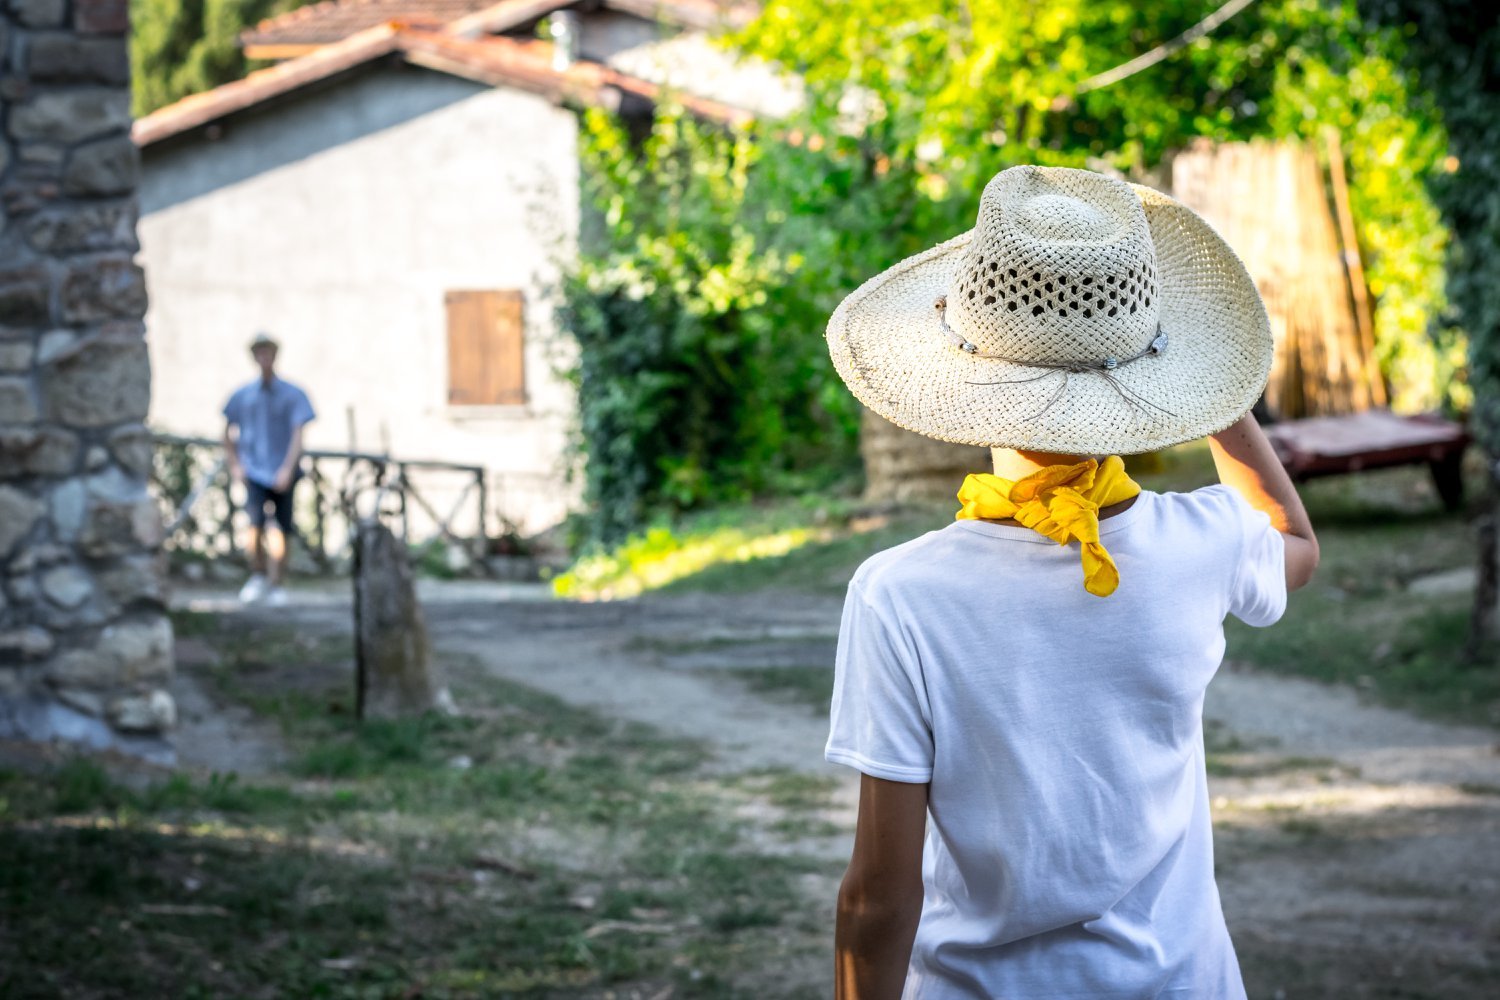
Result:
1013,464
266,378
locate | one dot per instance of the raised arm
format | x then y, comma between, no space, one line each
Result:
880,900
1247,465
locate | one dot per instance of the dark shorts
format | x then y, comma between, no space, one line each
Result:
257,497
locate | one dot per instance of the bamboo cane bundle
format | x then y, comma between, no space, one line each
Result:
1271,203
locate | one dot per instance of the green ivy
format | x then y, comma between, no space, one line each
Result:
911,106
1453,46
682,390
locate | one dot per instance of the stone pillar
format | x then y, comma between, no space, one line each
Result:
85,644
903,467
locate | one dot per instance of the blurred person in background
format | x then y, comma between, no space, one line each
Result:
263,447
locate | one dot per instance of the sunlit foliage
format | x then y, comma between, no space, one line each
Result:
910,107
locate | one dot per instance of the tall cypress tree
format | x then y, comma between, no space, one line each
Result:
182,47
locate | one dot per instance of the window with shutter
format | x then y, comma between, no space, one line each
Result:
485,348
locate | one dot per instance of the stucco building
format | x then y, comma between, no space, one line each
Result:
395,201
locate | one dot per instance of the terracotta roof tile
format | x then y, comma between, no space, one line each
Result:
495,61
336,20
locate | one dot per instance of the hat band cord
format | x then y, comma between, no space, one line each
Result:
1105,368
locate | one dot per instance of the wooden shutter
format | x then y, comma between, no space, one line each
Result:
485,347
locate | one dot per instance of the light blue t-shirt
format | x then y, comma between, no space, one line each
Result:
266,415
1069,852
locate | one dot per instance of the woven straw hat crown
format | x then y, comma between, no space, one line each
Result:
1061,268
1081,315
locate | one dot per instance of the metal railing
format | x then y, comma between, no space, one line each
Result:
193,486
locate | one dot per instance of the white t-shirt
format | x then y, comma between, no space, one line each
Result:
1069,851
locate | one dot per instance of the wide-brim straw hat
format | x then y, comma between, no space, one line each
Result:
1081,315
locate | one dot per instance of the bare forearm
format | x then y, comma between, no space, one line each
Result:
231,451
293,452
872,947
1247,464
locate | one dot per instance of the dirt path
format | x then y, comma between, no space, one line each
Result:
1358,847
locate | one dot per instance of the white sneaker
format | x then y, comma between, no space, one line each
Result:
276,597
254,589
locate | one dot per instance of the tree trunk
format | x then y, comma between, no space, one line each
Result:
396,676
1485,625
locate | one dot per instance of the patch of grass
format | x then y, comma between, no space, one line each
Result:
1358,623
809,686
526,849
1263,765
1478,788
811,542
1303,828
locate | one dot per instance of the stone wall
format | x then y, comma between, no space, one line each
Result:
904,467
85,644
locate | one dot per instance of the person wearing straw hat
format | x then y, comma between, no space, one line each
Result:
1023,689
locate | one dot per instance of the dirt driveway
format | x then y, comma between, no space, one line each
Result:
1358,847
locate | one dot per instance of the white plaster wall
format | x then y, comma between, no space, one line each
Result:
336,223
691,62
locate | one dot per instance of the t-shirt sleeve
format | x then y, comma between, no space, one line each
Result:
232,408
302,410
880,719
1258,594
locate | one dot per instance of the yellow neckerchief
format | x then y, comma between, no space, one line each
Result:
1061,502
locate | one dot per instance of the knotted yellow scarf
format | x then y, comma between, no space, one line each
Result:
1061,502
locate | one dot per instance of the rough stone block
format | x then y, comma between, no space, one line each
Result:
87,702
84,228
23,644
71,621
22,589
43,159
101,17
101,381
151,713
89,669
114,528
104,288
107,167
38,451
39,13
23,194
66,586
16,355
141,648
19,510
16,403
134,449
396,674
54,344
23,297
133,581
66,58
66,508
71,115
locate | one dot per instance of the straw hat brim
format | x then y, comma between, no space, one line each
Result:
887,346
